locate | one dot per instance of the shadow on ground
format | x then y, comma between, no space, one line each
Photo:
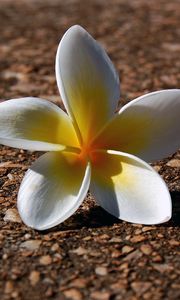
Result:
97,217
175,221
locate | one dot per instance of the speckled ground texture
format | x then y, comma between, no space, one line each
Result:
92,255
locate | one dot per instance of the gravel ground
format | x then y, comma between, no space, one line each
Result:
92,255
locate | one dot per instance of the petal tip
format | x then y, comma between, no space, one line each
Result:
76,27
166,219
74,30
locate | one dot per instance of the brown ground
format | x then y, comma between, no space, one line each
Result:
92,255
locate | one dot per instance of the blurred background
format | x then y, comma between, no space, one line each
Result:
141,37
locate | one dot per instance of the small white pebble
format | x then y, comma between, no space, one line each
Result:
10,176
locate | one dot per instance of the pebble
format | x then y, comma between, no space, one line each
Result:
137,239
1,237
4,164
15,294
104,237
140,287
10,176
174,243
57,257
27,253
137,231
34,277
127,249
9,74
127,238
78,283
157,168
160,235
45,260
102,271
9,287
116,253
157,258
124,266
133,255
15,273
146,249
163,268
79,251
115,240
119,285
175,286
55,247
48,281
100,295
174,163
31,244
27,236
148,228
95,253
73,294
12,215
87,238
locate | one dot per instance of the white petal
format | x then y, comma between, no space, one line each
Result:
87,81
130,189
35,124
52,190
148,127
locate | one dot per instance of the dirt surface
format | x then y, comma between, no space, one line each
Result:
92,255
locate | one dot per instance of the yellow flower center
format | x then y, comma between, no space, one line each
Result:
91,153
86,153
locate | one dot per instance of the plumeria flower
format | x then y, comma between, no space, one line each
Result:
91,147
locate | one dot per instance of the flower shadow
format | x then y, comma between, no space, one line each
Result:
175,220
96,217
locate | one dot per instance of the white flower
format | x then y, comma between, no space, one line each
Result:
91,144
